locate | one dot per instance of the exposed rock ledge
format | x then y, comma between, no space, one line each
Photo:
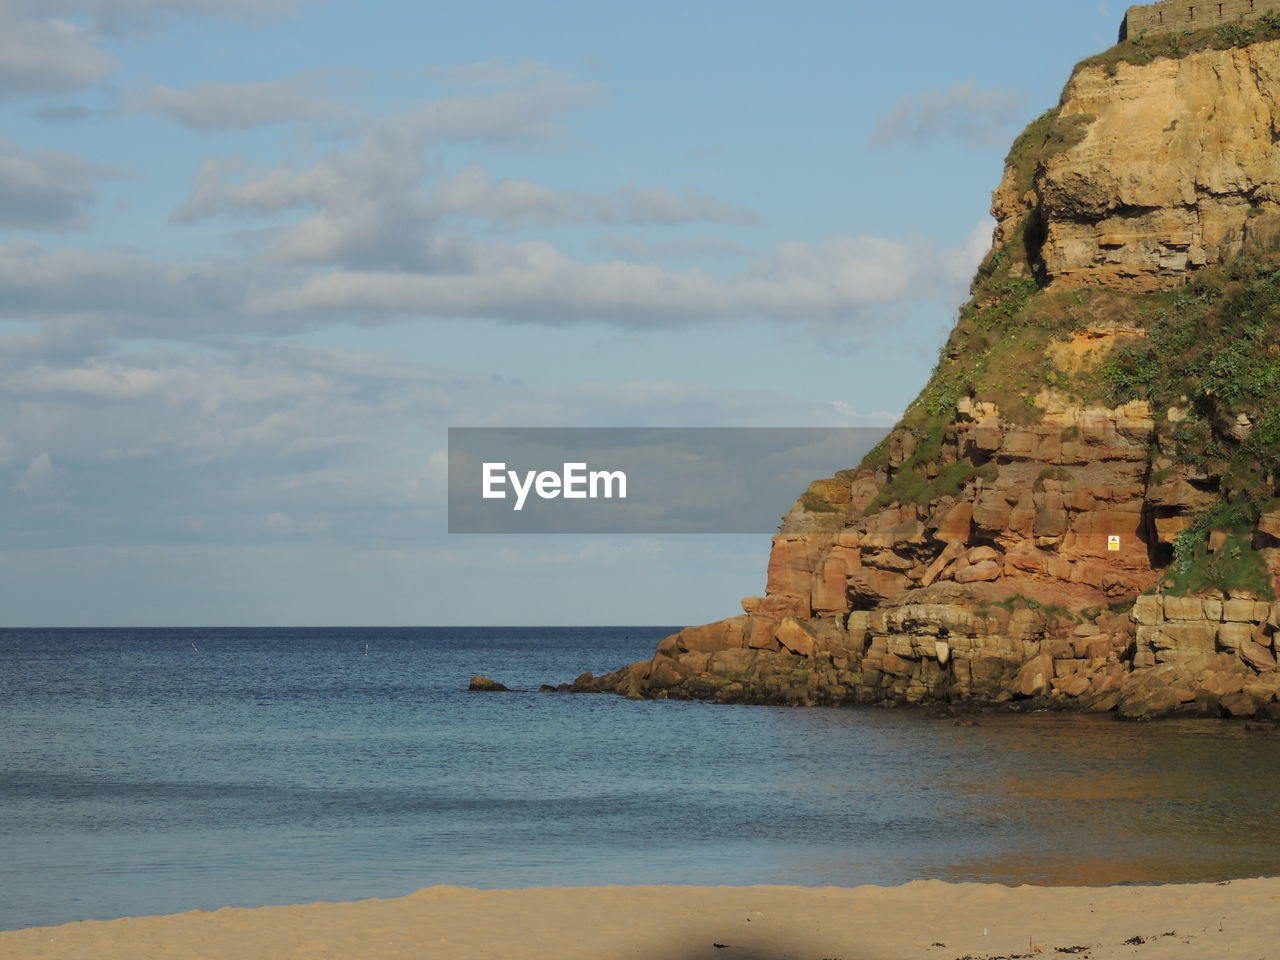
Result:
953,644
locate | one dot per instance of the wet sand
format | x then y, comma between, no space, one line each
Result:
929,919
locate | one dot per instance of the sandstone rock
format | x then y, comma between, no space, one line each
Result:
868,583
1231,636
1155,702
1239,610
1262,693
896,666
1034,677
1222,684
1183,608
709,637
952,551
1239,704
1269,524
1148,610
483,684
1257,656
794,637
1135,204
975,572
1074,685
956,524
761,634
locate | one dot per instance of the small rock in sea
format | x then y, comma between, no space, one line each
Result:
484,684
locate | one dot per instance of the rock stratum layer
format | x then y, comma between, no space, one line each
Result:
1177,165
1080,509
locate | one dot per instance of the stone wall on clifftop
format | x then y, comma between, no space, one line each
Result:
1171,15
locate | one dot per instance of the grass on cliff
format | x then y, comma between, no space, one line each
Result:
1143,48
997,350
1211,352
1233,566
1046,135
1212,355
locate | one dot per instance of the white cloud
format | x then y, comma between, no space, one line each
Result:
363,205
39,478
80,300
537,283
675,248
514,103
843,273
470,192
45,55
368,205
43,51
976,118
45,189
147,446
960,263
665,206
83,294
112,11
234,106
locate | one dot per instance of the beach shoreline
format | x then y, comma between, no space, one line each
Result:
928,919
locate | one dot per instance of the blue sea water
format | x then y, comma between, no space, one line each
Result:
163,770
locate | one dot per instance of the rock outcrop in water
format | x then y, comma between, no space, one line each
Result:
1080,509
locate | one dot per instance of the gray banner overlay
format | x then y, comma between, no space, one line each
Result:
640,479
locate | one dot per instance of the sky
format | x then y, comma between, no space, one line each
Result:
257,256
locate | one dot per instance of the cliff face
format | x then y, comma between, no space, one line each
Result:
1177,166
1080,507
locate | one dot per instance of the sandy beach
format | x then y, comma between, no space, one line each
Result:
931,920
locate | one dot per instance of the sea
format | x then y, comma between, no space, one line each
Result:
147,771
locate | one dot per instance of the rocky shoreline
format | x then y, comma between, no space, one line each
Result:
1171,655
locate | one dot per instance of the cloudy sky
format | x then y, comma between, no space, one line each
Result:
256,256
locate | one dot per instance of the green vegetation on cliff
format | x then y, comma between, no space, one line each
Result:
1142,49
1205,355
1212,356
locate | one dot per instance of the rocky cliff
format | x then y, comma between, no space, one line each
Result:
1080,507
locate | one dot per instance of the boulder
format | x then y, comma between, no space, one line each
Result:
795,637
483,684
1034,677
1257,656
978,572
1239,704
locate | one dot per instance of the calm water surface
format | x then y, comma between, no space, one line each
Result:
155,771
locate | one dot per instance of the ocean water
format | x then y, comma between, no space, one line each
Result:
157,771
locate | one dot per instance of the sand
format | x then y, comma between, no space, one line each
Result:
932,920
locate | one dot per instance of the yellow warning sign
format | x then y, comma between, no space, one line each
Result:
1113,542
